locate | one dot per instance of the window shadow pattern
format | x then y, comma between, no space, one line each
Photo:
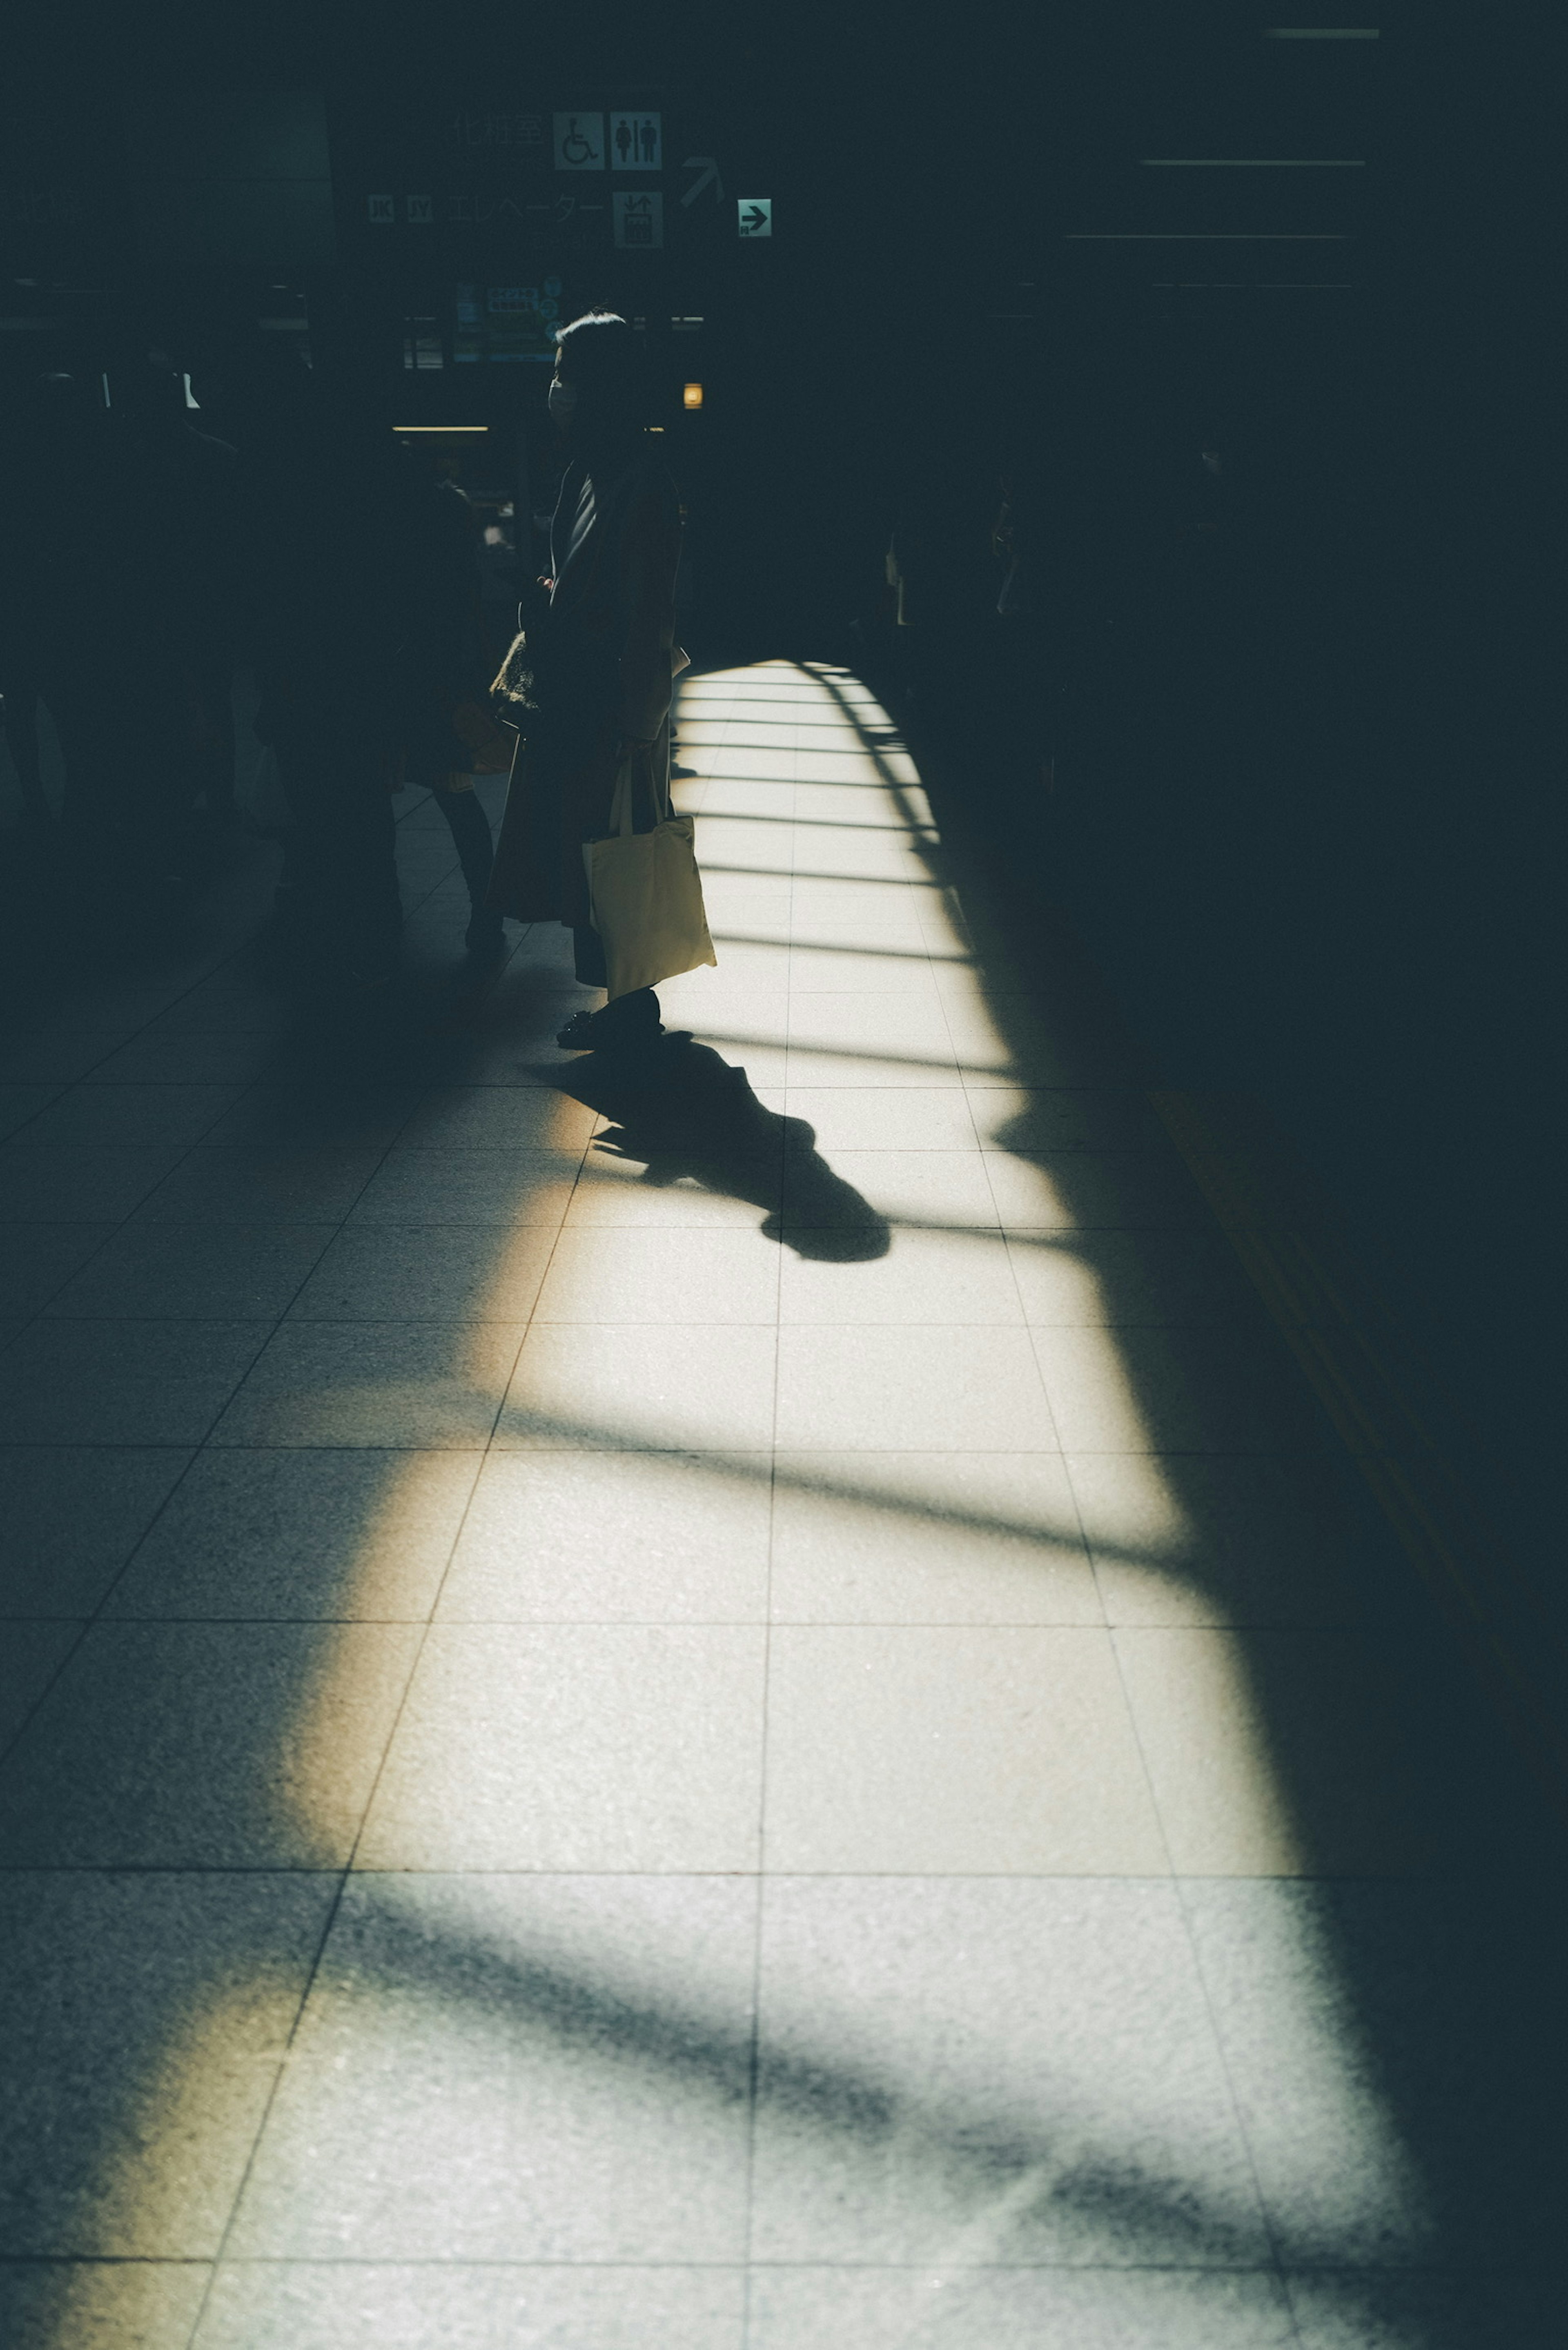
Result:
1390,2051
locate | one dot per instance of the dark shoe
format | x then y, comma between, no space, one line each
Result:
577,1035
628,1025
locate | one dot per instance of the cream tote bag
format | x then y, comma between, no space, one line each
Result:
646,896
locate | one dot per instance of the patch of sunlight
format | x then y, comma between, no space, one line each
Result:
534,2066
178,2152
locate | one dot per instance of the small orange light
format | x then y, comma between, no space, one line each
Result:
693,396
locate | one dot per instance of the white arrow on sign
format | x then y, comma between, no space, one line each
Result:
708,170
756,215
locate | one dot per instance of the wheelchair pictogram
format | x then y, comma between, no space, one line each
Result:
579,142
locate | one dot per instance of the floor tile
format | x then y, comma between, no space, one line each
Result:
218,1272
855,916
976,2075
812,1067
636,1386
970,1749
619,1274
448,1273
749,1021
1029,2308
123,1382
57,1056
928,1538
917,1186
1010,1039
874,970
500,2305
32,1651
543,957
565,2065
1400,2061
1383,2310
1068,1118
748,1032
884,1117
220,1059
79,1182
217,1184
948,1389
497,1117
1145,1388
204,1746
1119,1278
1298,1750
294,1117
144,2019
829,911
748,907
572,1746
37,1260
20,1104
72,1516
1086,1191
218,1009
422,1384
753,967
923,1277
133,1113
501,1055
703,1191
1221,1539
565,1537
298,1534
468,1187
99,2304
510,1050
851,1020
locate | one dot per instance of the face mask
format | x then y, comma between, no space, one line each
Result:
563,399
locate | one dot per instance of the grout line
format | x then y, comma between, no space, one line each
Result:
759,1910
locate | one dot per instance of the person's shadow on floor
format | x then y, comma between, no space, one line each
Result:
683,1113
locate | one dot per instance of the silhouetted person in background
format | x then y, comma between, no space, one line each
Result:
453,737
119,614
167,639
365,623
602,659
36,462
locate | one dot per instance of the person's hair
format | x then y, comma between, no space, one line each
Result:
606,369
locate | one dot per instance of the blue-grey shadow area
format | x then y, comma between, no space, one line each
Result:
1442,1993
1442,1970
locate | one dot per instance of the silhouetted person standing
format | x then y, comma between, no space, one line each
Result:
602,660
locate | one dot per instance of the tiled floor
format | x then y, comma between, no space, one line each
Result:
624,1732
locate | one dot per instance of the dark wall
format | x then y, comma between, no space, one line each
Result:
1317,836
